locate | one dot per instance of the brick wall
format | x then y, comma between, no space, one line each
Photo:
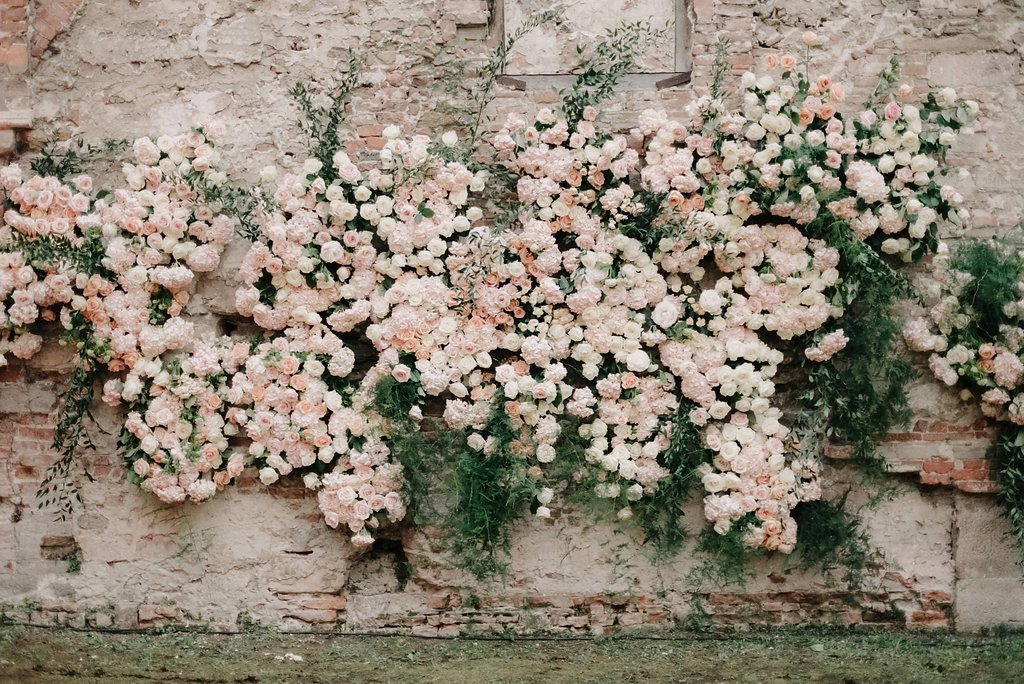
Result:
15,107
121,68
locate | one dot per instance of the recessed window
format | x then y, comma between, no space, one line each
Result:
550,50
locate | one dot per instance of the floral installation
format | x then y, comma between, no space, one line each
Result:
618,331
37,209
973,334
114,268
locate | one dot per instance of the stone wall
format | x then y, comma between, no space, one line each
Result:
121,68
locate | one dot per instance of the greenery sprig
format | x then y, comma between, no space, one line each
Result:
602,67
1008,454
65,158
321,124
496,65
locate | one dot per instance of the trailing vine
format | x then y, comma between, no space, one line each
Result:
974,335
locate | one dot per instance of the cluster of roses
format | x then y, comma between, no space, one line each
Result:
149,239
757,193
967,345
342,253
36,209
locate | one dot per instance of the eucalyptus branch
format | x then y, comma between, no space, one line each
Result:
887,79
495,66
63,159
321,124
70,436
604,66
719,68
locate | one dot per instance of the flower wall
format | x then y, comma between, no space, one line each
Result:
626,301
606,315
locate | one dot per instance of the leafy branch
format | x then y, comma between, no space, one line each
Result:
1008,453
887,79
70,436
601,68
63,159
720,68
321,123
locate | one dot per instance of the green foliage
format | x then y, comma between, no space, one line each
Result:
245,204
75,562
58,251
886,85
649,226
394,399
858,395
1008,454
659,514
830,535
491,491
996,269
421,453
601,67
725,559
987,274
321,123
720,68
58,487
66,158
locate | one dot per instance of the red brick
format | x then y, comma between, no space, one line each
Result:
902,437
975,464
45,434
370,131
937,465
929,618
325,603
934,478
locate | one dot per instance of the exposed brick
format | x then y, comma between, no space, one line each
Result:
313,616
325,603
935,478
937,465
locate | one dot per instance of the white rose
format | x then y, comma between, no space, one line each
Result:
149,444
638,361
719,410
545,495
268,476
545,453
713,483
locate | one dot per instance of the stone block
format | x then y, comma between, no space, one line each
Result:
984,547
8,141
973,69
989,601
